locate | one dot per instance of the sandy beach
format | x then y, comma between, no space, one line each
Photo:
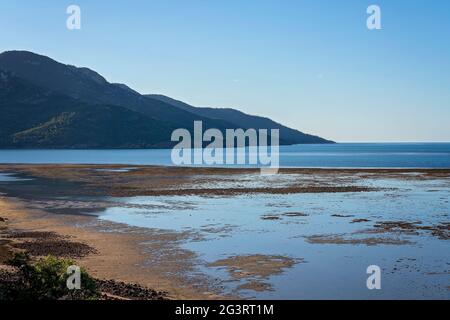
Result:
117,255
155,258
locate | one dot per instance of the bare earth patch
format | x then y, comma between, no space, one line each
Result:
33,235
270,217
56,247
360,220
295,214
394,228
342,215
256,265
254,269
287,214
255,286
441,231
341,239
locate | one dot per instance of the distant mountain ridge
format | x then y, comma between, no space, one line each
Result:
243,120
47,104
31,117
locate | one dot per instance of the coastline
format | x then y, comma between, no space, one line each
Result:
155,258
128,180
118,255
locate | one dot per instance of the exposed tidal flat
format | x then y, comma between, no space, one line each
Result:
223,232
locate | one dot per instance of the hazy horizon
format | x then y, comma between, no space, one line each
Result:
313,67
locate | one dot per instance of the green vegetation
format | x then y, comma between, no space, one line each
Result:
46,104
45,280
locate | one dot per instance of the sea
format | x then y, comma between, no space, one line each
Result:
341,155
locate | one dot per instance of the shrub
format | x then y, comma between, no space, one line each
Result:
46,280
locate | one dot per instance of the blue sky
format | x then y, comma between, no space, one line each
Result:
312,65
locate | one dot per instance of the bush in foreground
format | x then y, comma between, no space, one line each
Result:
45,280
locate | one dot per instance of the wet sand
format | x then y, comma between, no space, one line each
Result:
117,255
114,180
126,181
154,258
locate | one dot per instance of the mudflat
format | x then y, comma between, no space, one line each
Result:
46,216
124,181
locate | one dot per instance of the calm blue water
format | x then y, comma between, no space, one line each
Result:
230,226
358,155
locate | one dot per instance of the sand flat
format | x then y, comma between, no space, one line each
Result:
159,226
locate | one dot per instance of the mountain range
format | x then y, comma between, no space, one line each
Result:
48,104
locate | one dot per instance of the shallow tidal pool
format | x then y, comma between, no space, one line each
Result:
311,246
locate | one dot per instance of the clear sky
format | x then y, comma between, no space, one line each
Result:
312,65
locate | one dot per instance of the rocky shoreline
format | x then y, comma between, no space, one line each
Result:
38,244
